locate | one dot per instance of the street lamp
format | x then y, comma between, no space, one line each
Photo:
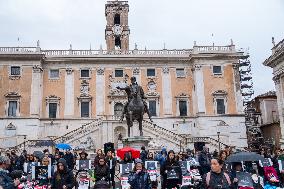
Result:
218,134
25,137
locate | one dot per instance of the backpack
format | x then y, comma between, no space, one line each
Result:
208,177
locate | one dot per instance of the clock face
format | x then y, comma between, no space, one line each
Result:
117,29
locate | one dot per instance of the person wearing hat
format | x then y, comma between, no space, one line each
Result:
5,180
139,178
83,155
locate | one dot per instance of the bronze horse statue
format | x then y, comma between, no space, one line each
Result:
135,110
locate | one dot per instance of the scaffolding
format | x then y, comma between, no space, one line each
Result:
254,135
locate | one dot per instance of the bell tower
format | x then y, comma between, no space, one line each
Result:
117,29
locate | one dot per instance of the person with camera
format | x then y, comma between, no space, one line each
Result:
6,181
216,178
139,178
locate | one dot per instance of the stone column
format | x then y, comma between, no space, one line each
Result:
199,88
279,93
100,92
36,91
237,89
167,91
69,93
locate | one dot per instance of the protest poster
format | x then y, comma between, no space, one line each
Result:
244,179
151,165
126,168
266,162
83,164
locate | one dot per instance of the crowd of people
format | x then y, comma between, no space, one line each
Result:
215,170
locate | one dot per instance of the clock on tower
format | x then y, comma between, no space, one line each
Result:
117,30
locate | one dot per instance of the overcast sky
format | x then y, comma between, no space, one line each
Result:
58,23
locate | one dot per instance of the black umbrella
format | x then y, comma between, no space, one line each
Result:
244,156
38,154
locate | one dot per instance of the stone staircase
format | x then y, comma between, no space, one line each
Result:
176,139
164,136
69,137
80,132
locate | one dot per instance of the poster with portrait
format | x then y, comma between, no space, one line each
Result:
173,173
192,161
185,167
244,179
266,162
151,165
126,168
28,166
41,173
281,164
83,164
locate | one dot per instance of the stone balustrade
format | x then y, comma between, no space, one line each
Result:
134,53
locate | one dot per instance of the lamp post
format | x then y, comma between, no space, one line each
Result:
218,134
25,137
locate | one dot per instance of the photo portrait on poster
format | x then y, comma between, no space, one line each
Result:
244,179
28,166
126,168
281,164
41,173
266,162
174,173
151,165
83,164
185,167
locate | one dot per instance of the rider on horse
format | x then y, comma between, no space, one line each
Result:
129,91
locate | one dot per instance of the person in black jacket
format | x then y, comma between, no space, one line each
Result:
63,177
111,162
216,178
69,159
102,170
171,172
5,180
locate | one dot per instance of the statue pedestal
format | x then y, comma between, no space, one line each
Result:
136,142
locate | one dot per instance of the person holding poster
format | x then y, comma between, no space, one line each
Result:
63,177
139,178
171,172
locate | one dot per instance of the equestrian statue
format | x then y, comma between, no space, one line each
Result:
136,105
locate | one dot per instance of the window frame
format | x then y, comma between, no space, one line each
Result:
8,108
55,110
221,70
182,76
49,74
89,109
155,102
147,73
15,75
224,104
89,73
118,70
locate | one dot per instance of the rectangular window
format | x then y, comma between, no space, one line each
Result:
217,70
152,108
54,74
220,106
52,110
12,109
85,111
118,73
15,70
85,73
183,108
180,72
151,72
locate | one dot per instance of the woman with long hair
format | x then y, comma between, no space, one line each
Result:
139,178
